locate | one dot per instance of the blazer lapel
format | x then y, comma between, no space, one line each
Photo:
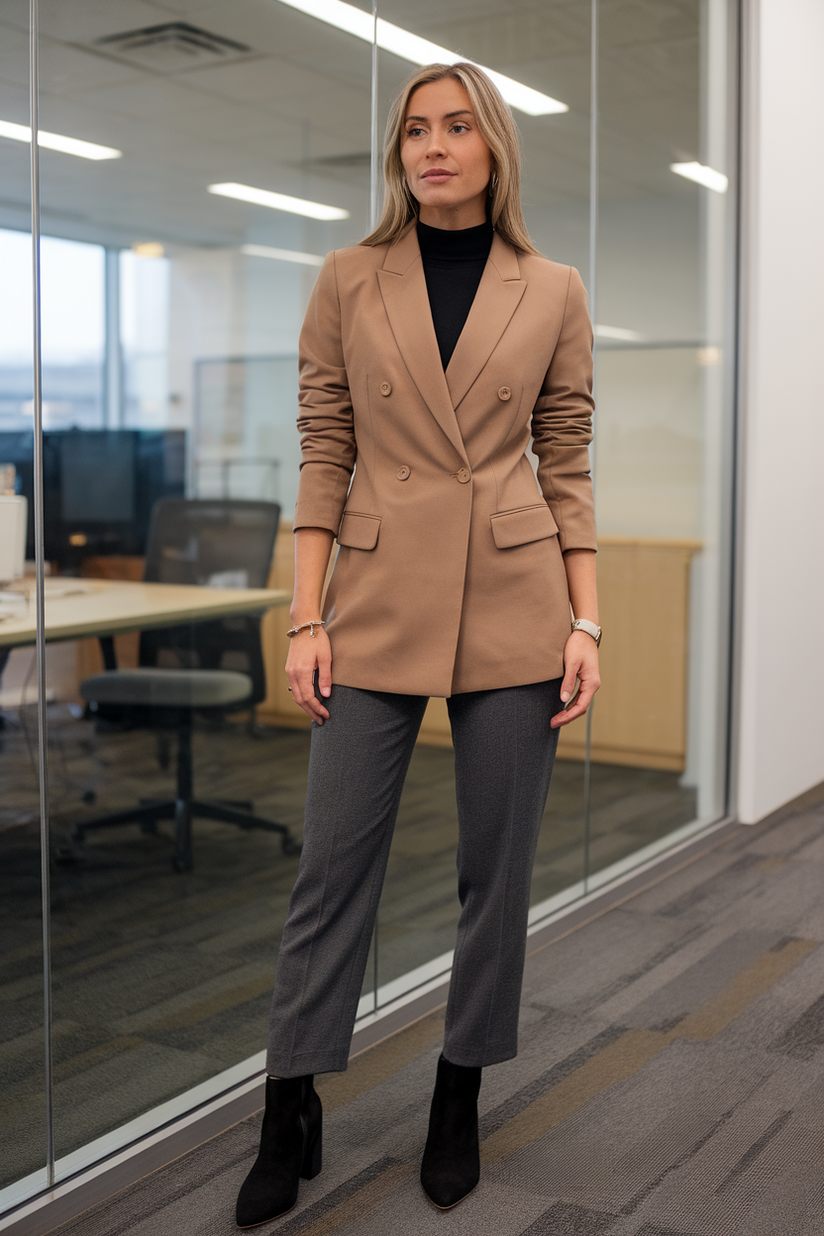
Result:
405,298
497,298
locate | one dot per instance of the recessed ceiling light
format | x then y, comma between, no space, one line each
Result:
409,46
279,201
282,255
147,249
56,141
706,176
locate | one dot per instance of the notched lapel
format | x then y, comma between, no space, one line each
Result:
405,298
498,296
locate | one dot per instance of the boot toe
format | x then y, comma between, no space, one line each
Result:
446,1185
260,1199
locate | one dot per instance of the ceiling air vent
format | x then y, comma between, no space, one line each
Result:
171,47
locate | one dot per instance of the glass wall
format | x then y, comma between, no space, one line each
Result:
24,1115
195,169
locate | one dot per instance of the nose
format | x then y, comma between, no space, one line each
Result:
435,146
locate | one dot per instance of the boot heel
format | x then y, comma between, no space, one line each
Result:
313,1156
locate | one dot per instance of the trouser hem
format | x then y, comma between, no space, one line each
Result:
482,1060
300,1065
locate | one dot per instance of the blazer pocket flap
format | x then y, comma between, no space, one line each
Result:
529,523
359,531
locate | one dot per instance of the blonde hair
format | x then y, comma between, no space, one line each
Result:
498,130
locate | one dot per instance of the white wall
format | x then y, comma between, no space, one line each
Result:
780,698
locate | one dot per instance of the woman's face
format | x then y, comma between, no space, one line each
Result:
447,162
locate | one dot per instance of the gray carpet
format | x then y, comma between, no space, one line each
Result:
670,1081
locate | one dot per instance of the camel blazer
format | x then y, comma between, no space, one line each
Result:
449,576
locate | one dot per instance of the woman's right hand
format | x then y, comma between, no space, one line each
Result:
305,656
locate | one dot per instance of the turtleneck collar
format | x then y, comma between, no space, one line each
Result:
469,244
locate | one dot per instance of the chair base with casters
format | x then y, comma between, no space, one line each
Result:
169,698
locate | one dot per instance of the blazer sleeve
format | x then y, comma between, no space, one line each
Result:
562,425
325,420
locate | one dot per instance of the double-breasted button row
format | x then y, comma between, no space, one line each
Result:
386,388
505,393
403,473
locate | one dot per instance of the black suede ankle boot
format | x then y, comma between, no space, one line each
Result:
290,1147
451,1164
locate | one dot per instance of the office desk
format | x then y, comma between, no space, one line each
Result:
107,607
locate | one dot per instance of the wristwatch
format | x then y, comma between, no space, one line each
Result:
583,624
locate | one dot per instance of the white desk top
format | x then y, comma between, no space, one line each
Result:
76,608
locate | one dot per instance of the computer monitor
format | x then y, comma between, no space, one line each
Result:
97,479
99,487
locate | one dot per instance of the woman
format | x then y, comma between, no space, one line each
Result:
429,355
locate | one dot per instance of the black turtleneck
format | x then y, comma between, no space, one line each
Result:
453,263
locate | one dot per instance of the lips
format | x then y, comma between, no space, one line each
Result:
438,175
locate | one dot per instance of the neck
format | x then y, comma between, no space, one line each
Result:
454,218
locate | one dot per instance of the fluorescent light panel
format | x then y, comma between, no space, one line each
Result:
409,46
706,176
279,201
619,332
56,141
282,255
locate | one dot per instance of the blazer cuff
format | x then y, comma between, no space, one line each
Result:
577,532
322,493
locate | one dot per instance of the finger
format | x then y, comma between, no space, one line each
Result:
568,685
565,716
325,671
311,706
303,693
573,711
310,702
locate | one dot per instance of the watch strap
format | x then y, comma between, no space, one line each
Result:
583,624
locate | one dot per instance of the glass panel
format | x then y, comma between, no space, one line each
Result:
191,303
22,1040
664,404
548,49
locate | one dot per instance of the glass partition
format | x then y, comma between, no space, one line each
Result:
194,175
24,1109
664,378
234,153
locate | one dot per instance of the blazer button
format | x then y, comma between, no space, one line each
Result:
504,393
403,473
386,388
463,475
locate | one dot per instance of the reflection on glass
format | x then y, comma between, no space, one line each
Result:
190,306
663,274
23,1141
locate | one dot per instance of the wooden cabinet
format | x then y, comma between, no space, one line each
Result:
640,713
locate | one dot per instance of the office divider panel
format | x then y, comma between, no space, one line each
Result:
666,196
196,168
167,979
23,1033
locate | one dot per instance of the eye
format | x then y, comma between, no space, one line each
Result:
414,131
459,127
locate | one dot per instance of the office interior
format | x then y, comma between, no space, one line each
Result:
174,280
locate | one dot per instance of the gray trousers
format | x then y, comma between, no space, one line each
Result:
504,752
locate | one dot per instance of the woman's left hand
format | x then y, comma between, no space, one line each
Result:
581,662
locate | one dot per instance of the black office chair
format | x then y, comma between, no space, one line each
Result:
181,671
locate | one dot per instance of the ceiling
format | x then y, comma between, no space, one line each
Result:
286,106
